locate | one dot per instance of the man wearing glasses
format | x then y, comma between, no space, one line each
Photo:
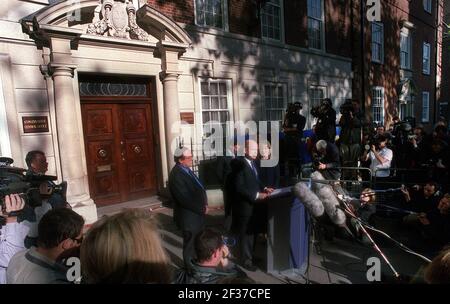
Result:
190,202
60,231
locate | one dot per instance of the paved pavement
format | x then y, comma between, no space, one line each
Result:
337,261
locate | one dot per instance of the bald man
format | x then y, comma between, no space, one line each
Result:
247,191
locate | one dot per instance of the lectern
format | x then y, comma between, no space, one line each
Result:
288,236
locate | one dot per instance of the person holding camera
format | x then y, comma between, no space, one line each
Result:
326,120
212,263
380,158
350,137
293,125
12,233
43,201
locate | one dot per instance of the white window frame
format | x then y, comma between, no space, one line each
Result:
5,145
426,61
224,16
380,106
229,102
408,52
322,24
427,5
280,5
380,43
310,119
425,106
265,108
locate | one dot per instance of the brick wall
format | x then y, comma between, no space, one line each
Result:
178,10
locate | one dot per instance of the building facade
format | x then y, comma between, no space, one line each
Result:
444,91
102,85
398,61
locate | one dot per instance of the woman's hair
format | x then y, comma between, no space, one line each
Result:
125,248
370,193
438,271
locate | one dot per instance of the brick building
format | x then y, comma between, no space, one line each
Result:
101,85
399,64
445,84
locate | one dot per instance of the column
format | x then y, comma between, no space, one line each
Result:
67,124
171,113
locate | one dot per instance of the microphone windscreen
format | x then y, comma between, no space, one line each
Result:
331,204
309,199
316,175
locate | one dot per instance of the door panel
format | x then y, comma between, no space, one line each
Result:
119,151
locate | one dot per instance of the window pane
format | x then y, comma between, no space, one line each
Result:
214,89
204,88
214,102
223,103
223,88
205,103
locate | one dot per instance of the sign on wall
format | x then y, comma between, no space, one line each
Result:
35,124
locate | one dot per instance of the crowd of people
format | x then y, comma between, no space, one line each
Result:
37,242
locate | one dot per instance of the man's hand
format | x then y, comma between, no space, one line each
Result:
13,203
44,189
372,147
423,219
206,209
405,192
322,166
262,195
268,190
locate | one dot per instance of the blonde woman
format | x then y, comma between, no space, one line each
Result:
125,248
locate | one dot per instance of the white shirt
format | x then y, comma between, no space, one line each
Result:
11,242
376,166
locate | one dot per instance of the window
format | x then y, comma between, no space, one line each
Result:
316,95
405,50
407,107
216,103
211,13
378,105
443,109
377,42
315,24
425,106
426,58
427,5
275,101
271,20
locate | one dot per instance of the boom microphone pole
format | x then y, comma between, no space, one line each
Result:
374,245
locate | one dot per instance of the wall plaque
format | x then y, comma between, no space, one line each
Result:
35,124
187,117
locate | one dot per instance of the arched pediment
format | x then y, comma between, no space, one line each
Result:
116,19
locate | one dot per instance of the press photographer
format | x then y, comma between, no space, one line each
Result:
293,125
326,120
12,234
380,158
350,137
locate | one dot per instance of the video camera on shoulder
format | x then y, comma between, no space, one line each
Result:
13,180
346,108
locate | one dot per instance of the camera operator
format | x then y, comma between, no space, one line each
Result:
327,161
350,137
293,125
12,234
326,120
380,158
47,200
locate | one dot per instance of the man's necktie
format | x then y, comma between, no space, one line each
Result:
254,169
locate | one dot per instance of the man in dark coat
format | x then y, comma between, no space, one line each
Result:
246,190
223,170
190,202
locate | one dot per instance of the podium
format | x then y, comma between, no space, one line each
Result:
288,236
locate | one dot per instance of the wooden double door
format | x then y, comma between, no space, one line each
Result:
120,151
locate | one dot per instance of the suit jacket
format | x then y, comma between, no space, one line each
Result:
189,199
223,169
246,186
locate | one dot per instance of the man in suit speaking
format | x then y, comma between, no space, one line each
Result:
248,191
190,202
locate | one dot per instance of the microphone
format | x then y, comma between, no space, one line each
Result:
309,199
331,204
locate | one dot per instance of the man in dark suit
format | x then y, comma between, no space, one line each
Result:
223,171
247,190
190,202
329,161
